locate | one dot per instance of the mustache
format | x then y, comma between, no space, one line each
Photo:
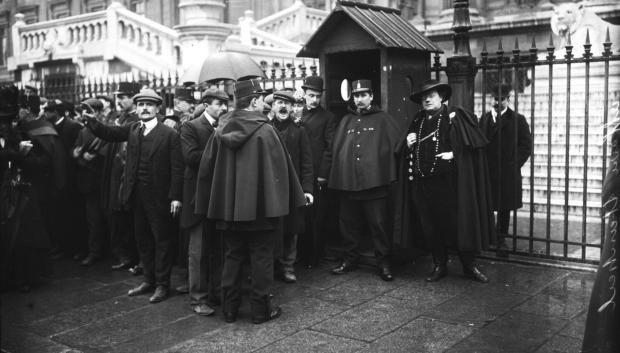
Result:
283,111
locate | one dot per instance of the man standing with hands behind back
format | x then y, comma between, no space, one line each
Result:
153,183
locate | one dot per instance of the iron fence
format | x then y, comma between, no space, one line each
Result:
562,217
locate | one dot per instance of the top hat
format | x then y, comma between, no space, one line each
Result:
8,101
314,83
247,88
443,89
361,86
149,95
503,90
184,94
128,88
215,93
284,95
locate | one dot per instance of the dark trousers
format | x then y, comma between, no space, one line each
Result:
435,201
358,215
503,220
122,240
152,224
258,247
95,219
205,263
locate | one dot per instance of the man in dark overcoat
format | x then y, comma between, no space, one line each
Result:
444,180
119,217
362,169
246,183
205,248
322,216
510,145
67,226
153,183
298,146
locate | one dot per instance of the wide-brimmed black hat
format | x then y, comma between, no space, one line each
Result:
147,94
503,90
314,83
443,89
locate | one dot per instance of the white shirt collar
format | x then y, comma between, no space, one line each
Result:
59,121
149,125
209,118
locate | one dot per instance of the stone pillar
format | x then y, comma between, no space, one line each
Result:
201,29
461,67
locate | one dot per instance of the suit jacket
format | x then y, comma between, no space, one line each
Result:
320,126
165,161
505,161
194,136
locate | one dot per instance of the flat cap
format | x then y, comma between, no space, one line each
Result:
284,95
149,95
215,93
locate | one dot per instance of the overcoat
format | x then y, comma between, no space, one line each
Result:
505,160
475,221
298,146
320,126
194,137
245,173
362,152
115,154
165,161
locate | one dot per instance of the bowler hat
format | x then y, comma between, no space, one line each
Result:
149,95
443,89
503,90
284,95
247,88
8,101
128,88
361,86
105,97
215,93
184,94
94,103
54,105
314,83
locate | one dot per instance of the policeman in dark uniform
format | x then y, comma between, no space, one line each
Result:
362,169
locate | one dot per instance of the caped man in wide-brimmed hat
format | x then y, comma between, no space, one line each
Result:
444,179
362,169
320,125
205,256
152,185
298,146
246,183
510,145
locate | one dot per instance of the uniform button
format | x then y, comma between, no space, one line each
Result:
410,170
358,132
411,177
358,146
359,119
411,155
358,158
410,162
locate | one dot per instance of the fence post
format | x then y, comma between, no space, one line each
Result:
461,67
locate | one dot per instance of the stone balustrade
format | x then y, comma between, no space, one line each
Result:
293,22
113,33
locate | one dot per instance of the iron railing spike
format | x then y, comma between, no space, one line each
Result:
607,39
587,36
516,43
533,42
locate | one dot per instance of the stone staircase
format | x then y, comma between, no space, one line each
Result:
553,164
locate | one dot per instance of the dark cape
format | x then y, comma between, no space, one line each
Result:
245,173
602,333
362,157
475,223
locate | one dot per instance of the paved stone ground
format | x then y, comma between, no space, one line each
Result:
523,309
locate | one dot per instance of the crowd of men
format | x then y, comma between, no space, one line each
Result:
249,179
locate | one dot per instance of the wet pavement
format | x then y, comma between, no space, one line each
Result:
523,309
